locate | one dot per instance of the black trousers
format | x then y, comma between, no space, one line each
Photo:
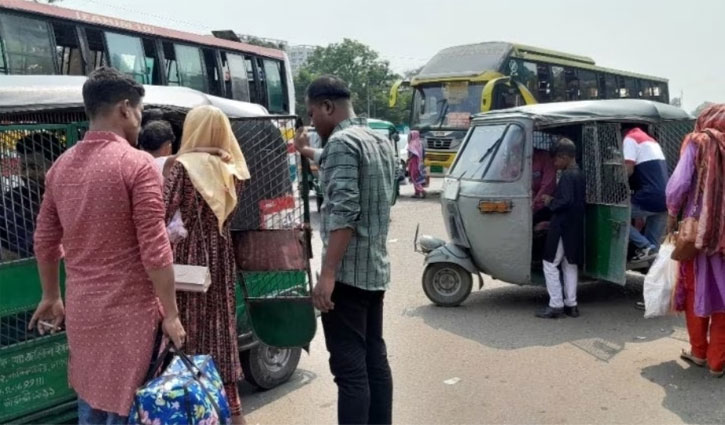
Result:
358,357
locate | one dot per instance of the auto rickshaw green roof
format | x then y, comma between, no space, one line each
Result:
561,113
31,93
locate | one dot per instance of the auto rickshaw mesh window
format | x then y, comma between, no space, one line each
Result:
670,135
603,164
25,157
269,200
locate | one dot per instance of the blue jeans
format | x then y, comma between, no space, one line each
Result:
654,228
90,416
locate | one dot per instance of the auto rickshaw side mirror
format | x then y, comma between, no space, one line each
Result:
396,137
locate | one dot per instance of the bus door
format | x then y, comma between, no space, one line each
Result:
502,93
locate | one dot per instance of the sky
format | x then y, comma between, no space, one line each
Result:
665,38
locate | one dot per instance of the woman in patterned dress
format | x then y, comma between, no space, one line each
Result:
205,189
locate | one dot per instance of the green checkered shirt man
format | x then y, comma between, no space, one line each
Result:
357,173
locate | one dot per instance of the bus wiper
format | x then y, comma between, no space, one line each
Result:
442,115
493,150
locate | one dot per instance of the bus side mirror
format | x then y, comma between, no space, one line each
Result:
393,99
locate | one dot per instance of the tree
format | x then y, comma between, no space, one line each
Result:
701,108
256,41
368,76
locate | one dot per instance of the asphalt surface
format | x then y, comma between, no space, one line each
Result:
491,361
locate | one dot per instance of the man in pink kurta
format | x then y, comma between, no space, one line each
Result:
103,212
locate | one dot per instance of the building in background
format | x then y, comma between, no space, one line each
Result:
298,56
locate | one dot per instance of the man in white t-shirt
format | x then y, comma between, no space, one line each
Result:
647,170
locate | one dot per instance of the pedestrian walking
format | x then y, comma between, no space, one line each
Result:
697,190
416,168
204,189
358,178
103,213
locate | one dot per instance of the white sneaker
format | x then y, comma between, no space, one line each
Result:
645,254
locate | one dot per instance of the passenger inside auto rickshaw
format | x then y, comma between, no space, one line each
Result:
543,182
21,204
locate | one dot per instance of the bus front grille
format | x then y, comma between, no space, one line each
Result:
439,143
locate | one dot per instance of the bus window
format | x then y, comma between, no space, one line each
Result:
235,76
27,45
191,73
632,87
68,49
558,84
127,55
153,65
261,82
660,93
96,47
275,88
646,87
171,67
3,64
254,96
573,91
525,73
213,74
588,84
611,91
544,89
622,90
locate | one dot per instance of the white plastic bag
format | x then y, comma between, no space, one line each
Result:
660,282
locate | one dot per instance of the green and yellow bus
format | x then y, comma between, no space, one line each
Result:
461,81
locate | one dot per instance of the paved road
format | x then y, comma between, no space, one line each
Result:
608,366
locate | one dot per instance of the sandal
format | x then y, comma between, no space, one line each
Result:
687,355
715,374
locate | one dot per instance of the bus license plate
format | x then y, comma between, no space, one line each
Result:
436,168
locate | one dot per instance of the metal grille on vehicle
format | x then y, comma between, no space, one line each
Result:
435,143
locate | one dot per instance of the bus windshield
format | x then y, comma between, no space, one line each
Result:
446,105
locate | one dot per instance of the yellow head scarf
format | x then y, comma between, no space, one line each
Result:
208,127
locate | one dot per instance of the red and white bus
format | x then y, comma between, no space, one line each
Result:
49,40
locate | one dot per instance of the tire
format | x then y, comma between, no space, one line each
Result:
447,284
266,367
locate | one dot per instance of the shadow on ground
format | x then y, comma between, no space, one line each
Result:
503,318
261,398
687,390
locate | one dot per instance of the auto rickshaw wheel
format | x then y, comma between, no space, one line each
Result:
267,367
447,284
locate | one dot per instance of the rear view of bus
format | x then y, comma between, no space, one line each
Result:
461,81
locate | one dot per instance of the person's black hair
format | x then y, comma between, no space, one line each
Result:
41,142
152,114
626,127
155,134
107,86
565,147
328,87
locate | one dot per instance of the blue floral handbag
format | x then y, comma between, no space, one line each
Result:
189,391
